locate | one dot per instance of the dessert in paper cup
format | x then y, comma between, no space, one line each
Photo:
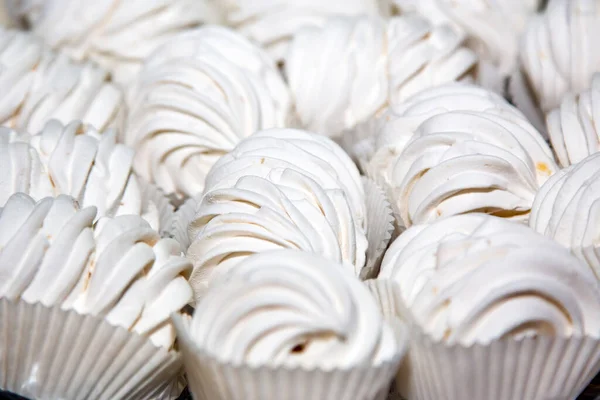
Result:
288,324
85,307
495,311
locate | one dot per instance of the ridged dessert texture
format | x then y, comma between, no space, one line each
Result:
84,163
195,99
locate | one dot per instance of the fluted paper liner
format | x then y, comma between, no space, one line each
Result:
534,368
211,379
380,226
522,97
49,353
181,221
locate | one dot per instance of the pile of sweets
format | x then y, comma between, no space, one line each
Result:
299,199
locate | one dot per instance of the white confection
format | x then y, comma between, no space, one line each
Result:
39,84
195,99
493,28
120,269
292,309
279,189
273,23
558,50
349,71
475,278
79,161
573,126
116,34
567,209
396,127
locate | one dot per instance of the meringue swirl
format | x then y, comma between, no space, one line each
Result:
291,309
119,269
558,50
195,99
349,71
40,85
572,126
79,161
476,278
566,208
118,35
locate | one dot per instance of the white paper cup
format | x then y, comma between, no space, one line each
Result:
535,368
380,227
49,353
211,379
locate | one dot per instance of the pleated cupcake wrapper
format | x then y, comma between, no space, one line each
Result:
536,368
181,221
380,227
522,97
49,353
212,379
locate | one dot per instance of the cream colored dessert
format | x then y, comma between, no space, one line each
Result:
349,71
51,252
558,50
279,189
39,85
291,309
79,161
566,209
470,152
572,126
195,99
493,29
475,278
118,35
273,23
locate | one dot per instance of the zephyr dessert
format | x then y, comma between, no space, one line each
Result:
302,325
40,84
81,162
195,99
506,304
88,304
117,35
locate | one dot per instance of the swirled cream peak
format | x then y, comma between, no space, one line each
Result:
195,99
292,309
347,71
566,208
119,269
558,50
118,35
273,23
39,84
477,278
467,161
396,127
278,189
572,127
493,29
79,161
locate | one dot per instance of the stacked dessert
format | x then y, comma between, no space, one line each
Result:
275,199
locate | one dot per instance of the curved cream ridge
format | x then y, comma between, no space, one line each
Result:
292,309
567,209
195,99
279,189
79,161
348,71
492,27
40,85
572,126
274,23
120,269
475,278
116,34
558,50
